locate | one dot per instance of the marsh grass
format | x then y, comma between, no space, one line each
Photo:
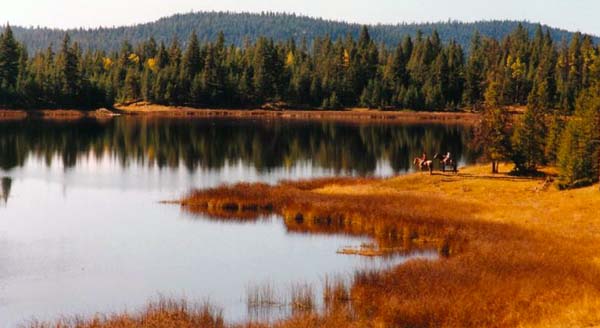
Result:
262,295
336,293
513,254
164,313
302,298
492,273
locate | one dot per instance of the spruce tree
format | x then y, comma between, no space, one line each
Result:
493,134
578,153
191,64
528,141
9,64
554,137
68,73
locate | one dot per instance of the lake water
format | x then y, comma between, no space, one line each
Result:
82,232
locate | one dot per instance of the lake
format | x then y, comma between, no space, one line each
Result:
82,230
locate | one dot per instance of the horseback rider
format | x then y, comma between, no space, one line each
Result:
423,160
447,158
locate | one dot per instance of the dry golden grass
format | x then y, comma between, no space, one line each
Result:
348,115
514,252
163,313
56,114
10,115
302,298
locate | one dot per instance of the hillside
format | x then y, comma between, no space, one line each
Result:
240,26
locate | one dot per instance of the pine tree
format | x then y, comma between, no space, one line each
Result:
528,142
494,131
455,80
578,154
554,137
399,62
265,66
68,73
162,57
132,87
191,64
9,65
475,74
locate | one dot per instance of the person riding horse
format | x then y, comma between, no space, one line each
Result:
446,160
423,164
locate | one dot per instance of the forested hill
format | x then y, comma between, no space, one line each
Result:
240,26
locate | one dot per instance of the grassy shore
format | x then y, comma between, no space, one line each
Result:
6,115
159,111
514,252
56,114
350,114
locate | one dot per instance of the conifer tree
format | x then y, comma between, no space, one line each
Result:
475,74
68,72
494,131
528,141
191,64
9,64
578,153
554,137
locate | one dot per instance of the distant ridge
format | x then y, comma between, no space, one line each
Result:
240,26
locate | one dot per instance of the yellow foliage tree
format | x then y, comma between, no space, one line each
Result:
152,64
346,58
290,60
134,58
107,63
517,67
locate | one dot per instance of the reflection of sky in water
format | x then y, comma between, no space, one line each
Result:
107,172
93,238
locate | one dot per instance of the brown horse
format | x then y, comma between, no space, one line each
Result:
447,161
423,164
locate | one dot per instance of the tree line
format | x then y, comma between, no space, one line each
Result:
242,27
420,73
557,88
552,80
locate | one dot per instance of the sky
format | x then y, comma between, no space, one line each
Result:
575,15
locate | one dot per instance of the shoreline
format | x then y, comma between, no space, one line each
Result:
503,242
348,115
353,115
54,114
514,251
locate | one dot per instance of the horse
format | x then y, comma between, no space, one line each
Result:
447,161
423,164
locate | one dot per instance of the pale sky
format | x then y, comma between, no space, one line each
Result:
581,15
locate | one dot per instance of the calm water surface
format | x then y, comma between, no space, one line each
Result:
81,229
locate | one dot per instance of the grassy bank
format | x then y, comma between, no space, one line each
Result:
350,114
514,252
6,115
159,111
56,114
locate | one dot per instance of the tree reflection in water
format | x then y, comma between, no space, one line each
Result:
209,144
6,183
